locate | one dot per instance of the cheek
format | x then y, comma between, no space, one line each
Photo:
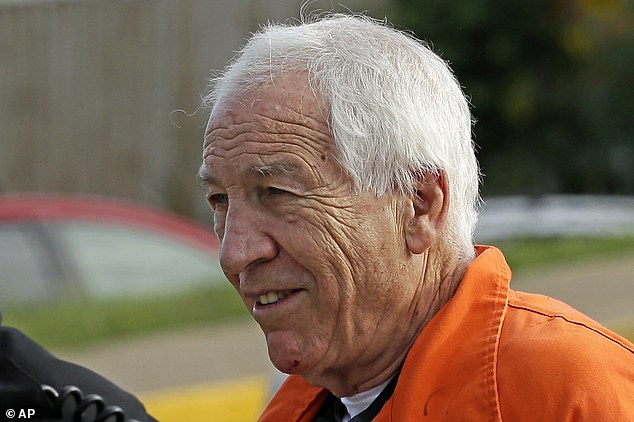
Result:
361,255
324,252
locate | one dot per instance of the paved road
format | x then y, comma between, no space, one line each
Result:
179,358
603,289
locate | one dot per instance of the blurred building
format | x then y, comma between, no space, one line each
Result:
102,96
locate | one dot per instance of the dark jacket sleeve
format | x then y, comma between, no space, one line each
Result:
25,367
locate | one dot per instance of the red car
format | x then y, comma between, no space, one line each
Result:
60,246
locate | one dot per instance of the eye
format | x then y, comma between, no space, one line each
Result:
276,191
217,199
274,195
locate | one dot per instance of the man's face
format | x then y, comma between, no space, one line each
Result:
320,268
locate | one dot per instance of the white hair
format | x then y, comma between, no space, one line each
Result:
395,109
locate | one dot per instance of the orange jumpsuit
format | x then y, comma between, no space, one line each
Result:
493,354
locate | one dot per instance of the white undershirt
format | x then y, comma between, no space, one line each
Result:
359,402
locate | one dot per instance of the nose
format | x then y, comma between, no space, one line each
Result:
243,240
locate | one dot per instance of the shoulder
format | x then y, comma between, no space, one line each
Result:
556,360
541,322
296,400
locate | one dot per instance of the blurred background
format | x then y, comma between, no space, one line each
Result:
101,132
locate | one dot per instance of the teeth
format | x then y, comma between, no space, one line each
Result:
272,297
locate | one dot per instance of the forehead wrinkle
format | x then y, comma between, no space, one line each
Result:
215,134
259,122
317,140
295,128
269,144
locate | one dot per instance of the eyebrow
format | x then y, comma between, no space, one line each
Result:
275,168
204,177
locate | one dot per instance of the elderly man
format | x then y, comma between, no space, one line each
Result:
340,169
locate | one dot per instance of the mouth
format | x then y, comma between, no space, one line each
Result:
273,297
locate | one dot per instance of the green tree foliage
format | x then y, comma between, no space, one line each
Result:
551,85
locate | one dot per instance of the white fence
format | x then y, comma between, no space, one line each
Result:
557,215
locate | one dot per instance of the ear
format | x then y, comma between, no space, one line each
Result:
427,211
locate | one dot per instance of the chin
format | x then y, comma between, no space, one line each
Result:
292,367
287,354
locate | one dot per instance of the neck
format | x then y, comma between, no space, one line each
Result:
437,283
